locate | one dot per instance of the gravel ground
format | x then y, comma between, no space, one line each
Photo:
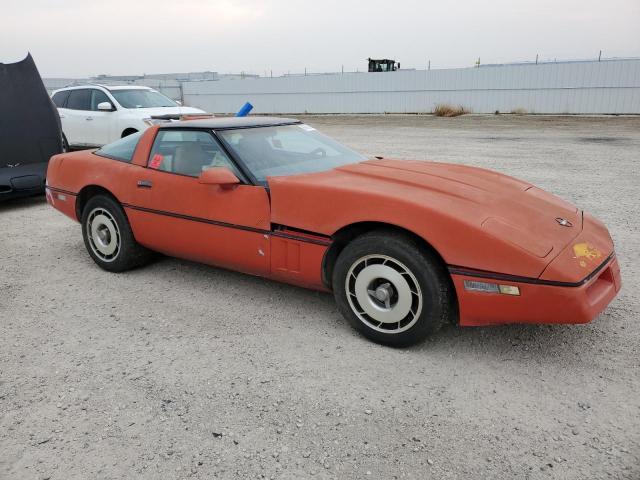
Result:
179,370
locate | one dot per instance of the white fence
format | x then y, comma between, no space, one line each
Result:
607,87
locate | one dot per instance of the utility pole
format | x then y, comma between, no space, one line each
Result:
600,55
429,65
536,58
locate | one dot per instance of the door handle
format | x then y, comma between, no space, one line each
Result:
145,184
89,118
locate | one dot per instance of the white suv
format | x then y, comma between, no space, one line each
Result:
94,115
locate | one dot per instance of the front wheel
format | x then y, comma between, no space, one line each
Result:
391,288
108,237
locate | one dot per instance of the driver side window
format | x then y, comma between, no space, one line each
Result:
188,152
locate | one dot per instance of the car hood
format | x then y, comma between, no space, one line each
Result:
486,203
150,112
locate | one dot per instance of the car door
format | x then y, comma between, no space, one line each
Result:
224,226
99,123
76,126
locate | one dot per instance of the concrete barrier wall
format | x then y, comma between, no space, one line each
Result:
607,87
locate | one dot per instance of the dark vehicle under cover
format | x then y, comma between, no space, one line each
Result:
30,130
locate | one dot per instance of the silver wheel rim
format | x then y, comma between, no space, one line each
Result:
103,234
383,293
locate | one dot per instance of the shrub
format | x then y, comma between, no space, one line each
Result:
446,110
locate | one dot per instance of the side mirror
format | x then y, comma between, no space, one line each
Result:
105,107
219,176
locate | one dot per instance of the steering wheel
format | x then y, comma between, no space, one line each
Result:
321,152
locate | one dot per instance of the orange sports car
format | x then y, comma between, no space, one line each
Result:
405,246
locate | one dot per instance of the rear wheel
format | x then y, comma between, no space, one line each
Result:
392,289
108,237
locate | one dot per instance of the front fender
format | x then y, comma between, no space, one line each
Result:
459,239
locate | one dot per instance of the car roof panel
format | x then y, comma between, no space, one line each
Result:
126,87
222,123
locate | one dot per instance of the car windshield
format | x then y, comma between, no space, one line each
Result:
142,98
287,150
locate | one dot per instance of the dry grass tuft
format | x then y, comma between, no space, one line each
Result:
519,111
446,110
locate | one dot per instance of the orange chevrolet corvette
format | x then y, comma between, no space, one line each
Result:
405,246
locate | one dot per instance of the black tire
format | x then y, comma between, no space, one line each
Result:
431,302
128,131
111,221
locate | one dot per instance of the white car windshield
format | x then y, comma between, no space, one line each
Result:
142,98
287,150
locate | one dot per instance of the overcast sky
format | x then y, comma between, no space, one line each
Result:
90,37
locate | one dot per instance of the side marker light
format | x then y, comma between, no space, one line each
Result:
487,287
509,290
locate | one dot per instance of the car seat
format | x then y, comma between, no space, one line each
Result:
255,150
189,159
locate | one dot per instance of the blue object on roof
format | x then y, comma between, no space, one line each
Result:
244,111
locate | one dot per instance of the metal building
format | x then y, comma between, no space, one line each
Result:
589,87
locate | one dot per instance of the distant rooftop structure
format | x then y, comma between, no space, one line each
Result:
540,61
178,77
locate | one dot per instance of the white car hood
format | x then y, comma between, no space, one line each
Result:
149,112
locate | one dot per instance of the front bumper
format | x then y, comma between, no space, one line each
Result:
539,302
22,180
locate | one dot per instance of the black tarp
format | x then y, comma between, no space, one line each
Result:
30,131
